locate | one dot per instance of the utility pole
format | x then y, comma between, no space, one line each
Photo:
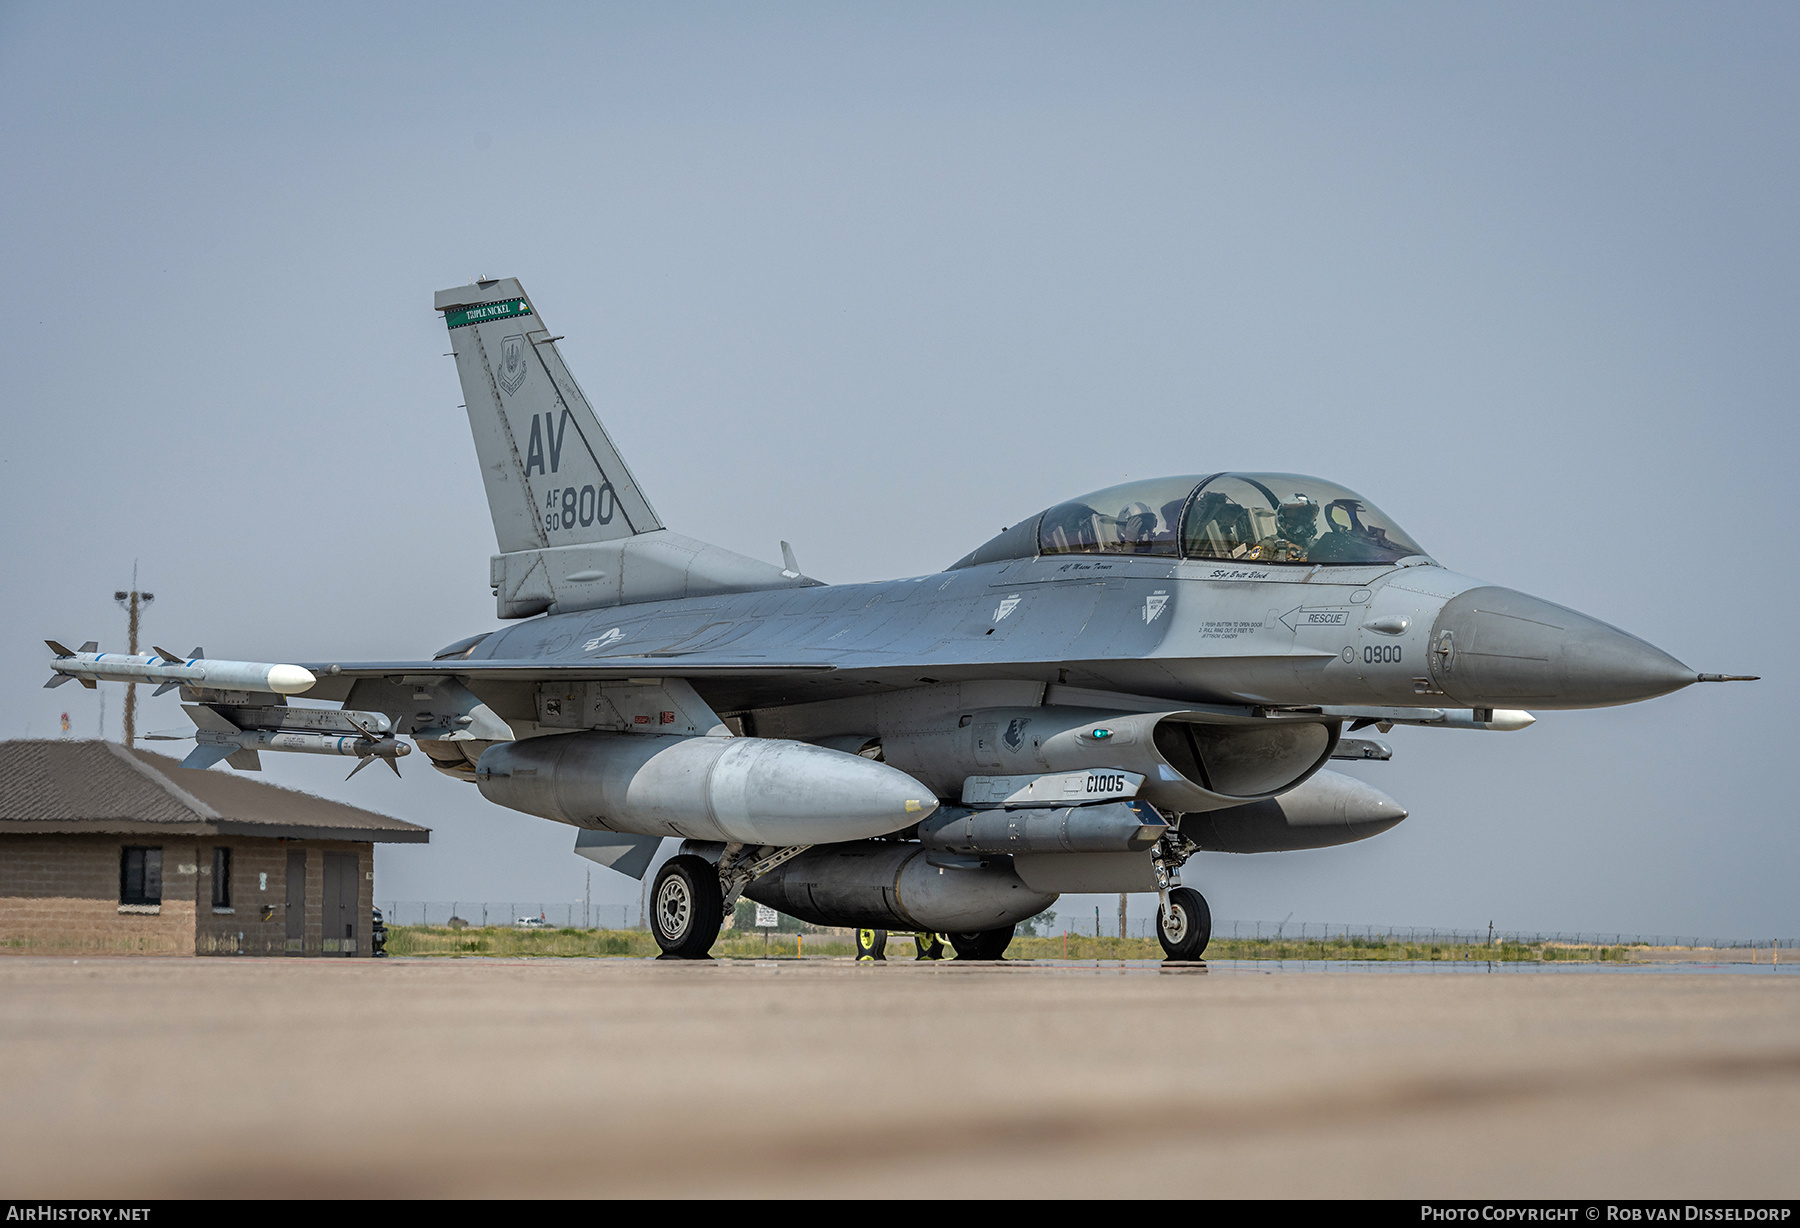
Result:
1122,899
133,603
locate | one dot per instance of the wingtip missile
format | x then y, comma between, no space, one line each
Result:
89,665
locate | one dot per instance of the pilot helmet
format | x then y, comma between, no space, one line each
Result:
1299,518
1137,522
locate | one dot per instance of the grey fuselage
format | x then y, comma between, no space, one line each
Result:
1188,631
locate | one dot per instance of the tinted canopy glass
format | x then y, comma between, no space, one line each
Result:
1287,518
1136,518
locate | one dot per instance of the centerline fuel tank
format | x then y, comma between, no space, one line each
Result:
892,885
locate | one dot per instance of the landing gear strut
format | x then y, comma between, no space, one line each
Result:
1184,924
929,946
686,907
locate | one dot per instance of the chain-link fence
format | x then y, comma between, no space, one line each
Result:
579,915
523,913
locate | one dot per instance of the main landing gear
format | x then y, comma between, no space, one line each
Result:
1184,924
686,907
691,895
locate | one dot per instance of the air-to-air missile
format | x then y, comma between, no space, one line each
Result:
216,744
232,730
88,665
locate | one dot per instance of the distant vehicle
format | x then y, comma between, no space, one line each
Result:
532,923
378,936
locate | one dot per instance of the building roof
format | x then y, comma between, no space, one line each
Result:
91,786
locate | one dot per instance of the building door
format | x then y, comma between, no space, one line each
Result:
296,902
338,922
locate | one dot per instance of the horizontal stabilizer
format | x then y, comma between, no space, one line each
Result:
629,855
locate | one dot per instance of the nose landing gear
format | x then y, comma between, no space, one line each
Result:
1184,924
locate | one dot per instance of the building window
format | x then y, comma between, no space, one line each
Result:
140,876
221,877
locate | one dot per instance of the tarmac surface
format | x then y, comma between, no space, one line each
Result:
146,1077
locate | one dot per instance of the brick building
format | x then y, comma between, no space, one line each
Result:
108,850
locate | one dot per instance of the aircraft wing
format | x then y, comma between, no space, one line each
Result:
669,665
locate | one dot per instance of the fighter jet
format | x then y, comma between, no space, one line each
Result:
1105,689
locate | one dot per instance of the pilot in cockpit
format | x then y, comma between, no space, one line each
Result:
1137,527
1297,523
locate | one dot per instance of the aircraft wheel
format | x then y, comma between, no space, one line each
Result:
1184,931
871,945
983,944
686,907
929,946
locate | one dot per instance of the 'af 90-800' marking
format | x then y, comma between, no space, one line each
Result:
568,507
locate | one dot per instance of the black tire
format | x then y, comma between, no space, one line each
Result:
983,944
686,907
929,946
1185,935
871,945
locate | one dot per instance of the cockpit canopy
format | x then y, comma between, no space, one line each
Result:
1241,517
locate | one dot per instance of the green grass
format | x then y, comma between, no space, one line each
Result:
508,942
505,941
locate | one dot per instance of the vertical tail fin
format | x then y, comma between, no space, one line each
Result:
552,474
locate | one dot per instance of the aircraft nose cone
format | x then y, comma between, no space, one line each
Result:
1494,647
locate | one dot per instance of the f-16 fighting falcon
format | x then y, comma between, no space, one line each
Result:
1083,703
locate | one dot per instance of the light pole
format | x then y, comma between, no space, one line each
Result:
133,604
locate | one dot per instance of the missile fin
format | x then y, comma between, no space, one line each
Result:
206,755
164,689
199,653
245,761
58,680
393,763
362,763
91,646
89,683
168,656
58,649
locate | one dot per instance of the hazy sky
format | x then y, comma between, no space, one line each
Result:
880,279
